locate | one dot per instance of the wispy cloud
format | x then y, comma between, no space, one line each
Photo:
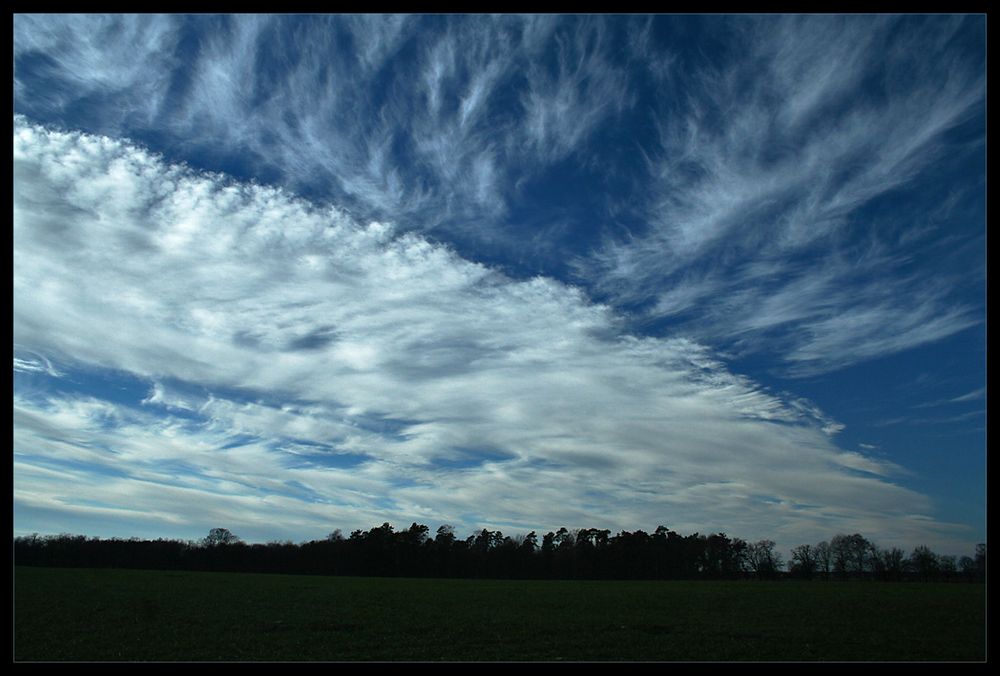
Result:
438,131
35,364
970,396
382,376
563,106
122,62
766,227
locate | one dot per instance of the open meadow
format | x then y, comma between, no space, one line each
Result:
110,615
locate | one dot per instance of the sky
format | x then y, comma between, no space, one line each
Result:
287,274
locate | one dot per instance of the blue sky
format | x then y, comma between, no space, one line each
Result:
288,274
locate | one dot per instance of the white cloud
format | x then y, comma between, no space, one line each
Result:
755,237
126,59
382,351
432,121
564,107
971,396
35,364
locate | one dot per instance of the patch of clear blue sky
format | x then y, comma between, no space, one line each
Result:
117,387
908,408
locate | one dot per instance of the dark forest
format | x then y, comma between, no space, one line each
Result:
564,554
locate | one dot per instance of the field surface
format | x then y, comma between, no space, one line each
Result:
111,615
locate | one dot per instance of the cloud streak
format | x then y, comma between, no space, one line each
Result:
766,226
434,132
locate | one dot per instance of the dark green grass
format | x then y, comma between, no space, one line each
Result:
84,614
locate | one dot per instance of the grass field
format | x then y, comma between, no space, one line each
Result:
110,615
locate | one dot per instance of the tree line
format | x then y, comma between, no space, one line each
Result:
586,553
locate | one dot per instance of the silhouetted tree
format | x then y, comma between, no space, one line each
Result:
445,535
888,564
762,560
967,565
722,557
851,554
220,536
564,555
414,535
824,558
924,562
803,562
